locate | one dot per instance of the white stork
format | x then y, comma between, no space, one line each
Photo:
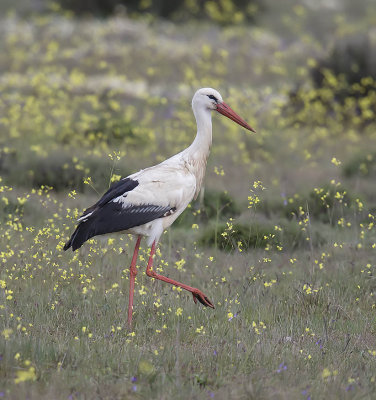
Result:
149,201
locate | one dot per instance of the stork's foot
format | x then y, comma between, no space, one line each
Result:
198,295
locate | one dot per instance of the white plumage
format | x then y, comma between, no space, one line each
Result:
167,184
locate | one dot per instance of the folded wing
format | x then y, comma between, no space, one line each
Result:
133,201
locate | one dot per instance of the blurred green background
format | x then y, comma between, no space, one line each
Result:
120,76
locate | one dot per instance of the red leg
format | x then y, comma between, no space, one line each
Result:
197,294
132,277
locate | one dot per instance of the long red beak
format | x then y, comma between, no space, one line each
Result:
225,110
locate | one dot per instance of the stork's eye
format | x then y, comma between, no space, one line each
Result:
212,98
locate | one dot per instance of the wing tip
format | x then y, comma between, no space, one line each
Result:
72,244
78,238
67,245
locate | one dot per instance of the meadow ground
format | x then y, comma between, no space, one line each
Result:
282,240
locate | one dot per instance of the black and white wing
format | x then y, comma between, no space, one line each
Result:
150,194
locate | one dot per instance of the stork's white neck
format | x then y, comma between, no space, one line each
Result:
197,153
200,147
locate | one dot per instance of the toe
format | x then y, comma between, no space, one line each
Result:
202,299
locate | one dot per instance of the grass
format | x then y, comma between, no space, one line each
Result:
87,101
309,311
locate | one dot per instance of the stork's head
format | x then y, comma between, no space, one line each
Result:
210,99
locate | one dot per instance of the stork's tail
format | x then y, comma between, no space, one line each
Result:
82,233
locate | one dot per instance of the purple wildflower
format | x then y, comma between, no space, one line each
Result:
281,367
319,343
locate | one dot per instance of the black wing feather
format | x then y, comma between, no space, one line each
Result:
117,189
108,216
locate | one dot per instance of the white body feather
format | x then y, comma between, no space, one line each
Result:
161,185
